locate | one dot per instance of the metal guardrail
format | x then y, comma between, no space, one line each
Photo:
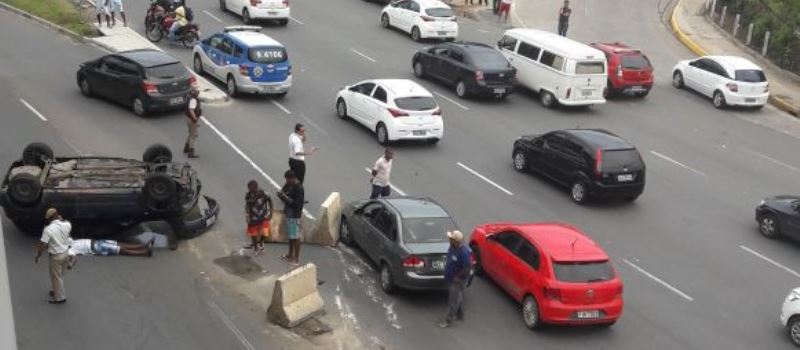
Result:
8,336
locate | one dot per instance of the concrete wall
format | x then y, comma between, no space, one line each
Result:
8,337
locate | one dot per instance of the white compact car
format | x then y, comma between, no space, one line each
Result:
790,315
395,109
422,18
251,10
728,80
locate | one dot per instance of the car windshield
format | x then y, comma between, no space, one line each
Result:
439,12
590,68
635,62
582,272
489,60
750,76
618,159
273,54
416,103
167,71
427,230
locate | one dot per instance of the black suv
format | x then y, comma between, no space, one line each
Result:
146,80
473,68
592,162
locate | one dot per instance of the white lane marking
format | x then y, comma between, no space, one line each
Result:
295,20
660,281
311,122
248,160
483,31
673,161
227,320
451,101
212,16
484,178
33,109
394,188
362,55
787,166
516,16
284,109
773,262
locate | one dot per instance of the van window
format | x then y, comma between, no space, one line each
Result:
273,54
508,43
616,160
590,68
529,51
552,60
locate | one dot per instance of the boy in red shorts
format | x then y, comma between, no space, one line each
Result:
258,211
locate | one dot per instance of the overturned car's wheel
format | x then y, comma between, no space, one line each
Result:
157,153
37,153
24,189
158,191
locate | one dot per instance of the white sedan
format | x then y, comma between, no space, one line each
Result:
252,10
728,80
394,109
422,18
790,315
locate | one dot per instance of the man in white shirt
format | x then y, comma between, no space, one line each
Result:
380,175
55,240
297,153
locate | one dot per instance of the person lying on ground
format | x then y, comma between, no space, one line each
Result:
110,247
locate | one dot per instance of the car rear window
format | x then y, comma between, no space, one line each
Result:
268,54
750,76
582,272
489,60
635,62
618,159
439,12
167,71
416,103
590,68
427,230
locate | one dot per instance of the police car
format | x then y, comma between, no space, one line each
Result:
246,60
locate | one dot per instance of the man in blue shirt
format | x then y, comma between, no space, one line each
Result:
456,272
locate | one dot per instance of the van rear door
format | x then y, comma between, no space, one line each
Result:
588,81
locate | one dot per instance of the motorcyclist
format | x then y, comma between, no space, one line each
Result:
179,22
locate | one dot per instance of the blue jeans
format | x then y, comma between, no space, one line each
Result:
380,191
173,29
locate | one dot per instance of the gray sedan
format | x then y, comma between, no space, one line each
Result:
405,237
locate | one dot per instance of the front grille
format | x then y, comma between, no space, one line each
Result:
174,87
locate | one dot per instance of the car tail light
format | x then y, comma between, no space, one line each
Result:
193,81
766,88
552,293
243,70
437,111
569,91
150,88
598,163
733,87
478,75
413,262
619,291
619,72
397,113
428,18
255,2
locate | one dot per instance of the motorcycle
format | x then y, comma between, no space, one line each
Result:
158,9
188,34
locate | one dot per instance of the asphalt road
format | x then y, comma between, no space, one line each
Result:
688,250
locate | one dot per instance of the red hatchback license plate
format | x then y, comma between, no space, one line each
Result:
587,315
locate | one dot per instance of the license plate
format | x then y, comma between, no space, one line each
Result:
272,12
442,33
418,132
499,91
585,93
210,221
588,314
750,100
637,88
176,100
625,178
437,265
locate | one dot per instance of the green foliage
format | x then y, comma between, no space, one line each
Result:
61,12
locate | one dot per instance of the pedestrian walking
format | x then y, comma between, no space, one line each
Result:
114,7
56,241
505,8
563,18
193,114
495,6
101,9
293,197
297,153
258,211
381,172
456,272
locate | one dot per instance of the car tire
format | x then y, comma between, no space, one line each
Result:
385,21
139,106
222,6
478,262
547,98
283,22
677,80
432,141
608,92
531,312
419,70
37,153
345,236
159,189
643,94
415,34
157,153
632,198
386,279
461,89
520,161
86,88
246,17
769,226
189,39
578,192
341,109
24,189
718,99
230,86
608,324
154,32
382,134
198,65
793,330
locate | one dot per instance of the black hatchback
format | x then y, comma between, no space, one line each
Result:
145,80
592,162
472,68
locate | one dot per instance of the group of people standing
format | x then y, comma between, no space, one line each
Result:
501,8
108,9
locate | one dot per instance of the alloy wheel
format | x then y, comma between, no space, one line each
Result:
385,20
415,34
677,80
85,88
341,109
794,331
382,134
719,100
138,106
519,161
198,65
419,71
231,86
768,226
461,89
530,312
578,192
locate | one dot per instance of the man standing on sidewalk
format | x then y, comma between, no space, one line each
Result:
114,7
456,273
563,18
193,114
101,9
297,153
55,240
381,172
293,197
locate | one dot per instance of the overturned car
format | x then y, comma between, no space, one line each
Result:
112,193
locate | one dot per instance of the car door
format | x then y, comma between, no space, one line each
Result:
374,233
386,242
226,62
361,224
129,81
410,15
552,152
397,14
439,54
451,66
535,151
496,255
356,104
523,270
569,160
701,76
375,106
213,56
793,221
718,76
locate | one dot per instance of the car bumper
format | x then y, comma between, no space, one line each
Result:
492,89
417,133
448,32
735,99
603,190
586,102
633,87
555,312
248,86
259,13
196,225
413,281
167,102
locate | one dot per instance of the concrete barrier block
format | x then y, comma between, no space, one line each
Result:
295,298
326,228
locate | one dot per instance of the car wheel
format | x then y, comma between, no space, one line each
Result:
643,94
461,89
415,34
222,6
718,99
608,324
284,22
385,21
387,280
344,232
154,32
157,153
432,141
608,91
24,189
158,189
632,198
86,89
793,329
476,252
530,312
520,161
579,194
382,134
341,109
547,98
139,106
246,17
769,226
37,153
419,70
189,39
230,86
198,65
677,80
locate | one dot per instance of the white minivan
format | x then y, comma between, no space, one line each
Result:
562,70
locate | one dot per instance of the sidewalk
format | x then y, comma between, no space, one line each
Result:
119,38
704,38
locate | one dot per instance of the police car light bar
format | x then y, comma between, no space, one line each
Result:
241,29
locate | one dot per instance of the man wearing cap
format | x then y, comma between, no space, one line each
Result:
56,240
193,115
456,272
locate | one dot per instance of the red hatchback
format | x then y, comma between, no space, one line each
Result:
629,71
556,273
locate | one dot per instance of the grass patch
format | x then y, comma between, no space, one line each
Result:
61,12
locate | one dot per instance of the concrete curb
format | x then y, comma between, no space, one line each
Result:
43,21
690,44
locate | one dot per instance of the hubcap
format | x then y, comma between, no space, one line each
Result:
578,192
676,80
382,134
138,107
341,109
519,161
546,98
198,66
415,34
385,21
718,99
767,226
796,332
85,86
418,69
460,89
231,87
529,311
385,277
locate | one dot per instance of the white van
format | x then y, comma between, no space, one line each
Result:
562,70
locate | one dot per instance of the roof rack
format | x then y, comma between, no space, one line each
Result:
230,29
